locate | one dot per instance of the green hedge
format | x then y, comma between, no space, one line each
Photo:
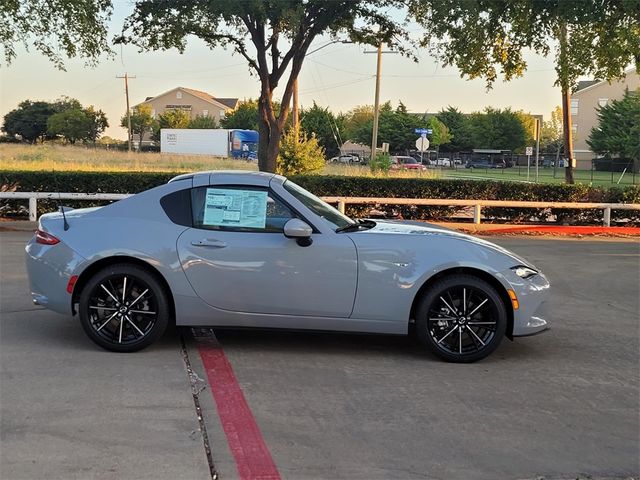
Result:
322,185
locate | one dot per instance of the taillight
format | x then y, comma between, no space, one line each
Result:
46,238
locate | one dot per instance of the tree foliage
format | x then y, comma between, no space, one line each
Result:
244,117
273,36
323,124
55,28
551,138
64,117
459,125
597,38
486,36
29,120
77,123
172,118
299,153
618,130
497,129
142,121
202,121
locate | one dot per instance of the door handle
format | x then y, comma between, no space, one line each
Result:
213,243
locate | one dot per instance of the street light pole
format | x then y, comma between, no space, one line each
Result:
376,106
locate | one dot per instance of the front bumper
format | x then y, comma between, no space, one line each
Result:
532,315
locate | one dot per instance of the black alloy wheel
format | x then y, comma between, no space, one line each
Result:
123,308
461,319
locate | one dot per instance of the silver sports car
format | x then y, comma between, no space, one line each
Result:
246,249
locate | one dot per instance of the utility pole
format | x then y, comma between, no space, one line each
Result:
376,106
538,128
126,91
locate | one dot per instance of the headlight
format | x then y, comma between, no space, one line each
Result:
524,272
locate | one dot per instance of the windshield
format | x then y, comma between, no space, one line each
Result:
332,216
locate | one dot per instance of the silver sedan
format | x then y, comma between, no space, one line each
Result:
246,249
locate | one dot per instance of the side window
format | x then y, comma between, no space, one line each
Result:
238,209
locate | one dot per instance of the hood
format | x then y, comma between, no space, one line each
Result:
417,229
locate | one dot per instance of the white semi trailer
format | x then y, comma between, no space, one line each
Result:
217,142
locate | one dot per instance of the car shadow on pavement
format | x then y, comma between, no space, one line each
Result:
64,332
352,344
322,343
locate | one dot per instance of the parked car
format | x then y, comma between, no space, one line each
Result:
346,159
443,162
406,163
485,163
253,249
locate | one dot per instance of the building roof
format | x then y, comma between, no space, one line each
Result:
223,102
586,83
589,84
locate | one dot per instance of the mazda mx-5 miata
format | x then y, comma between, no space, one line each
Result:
248,249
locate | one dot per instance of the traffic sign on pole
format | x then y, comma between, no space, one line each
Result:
422,144
423,131
529,151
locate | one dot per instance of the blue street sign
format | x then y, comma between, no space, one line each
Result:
424,131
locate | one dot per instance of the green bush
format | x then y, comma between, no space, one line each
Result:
381,162
325,185
299,153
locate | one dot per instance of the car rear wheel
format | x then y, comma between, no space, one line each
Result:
461,319
123,308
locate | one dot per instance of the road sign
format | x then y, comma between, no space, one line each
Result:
424,131
422,144
529,151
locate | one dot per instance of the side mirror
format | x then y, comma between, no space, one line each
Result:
296,228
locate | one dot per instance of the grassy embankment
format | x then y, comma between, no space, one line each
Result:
68,158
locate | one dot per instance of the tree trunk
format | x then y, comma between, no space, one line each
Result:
270,133
566,104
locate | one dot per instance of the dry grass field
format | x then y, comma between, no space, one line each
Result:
70,158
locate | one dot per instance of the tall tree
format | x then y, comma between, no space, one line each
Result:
441,135
551,139
173,118
273,36
202,121
56,28
244,117
142,121
459,126
98,123
499,129
618,130
323,124
598,38
72,124
357,122
29,120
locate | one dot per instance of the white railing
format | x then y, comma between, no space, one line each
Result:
342,202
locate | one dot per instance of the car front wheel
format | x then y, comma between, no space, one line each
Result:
123,308
461,319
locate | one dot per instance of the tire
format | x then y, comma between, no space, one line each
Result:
110,321
457,333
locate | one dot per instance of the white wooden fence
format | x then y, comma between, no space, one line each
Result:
342,202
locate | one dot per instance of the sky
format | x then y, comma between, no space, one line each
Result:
338,76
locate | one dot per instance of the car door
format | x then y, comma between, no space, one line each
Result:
237,258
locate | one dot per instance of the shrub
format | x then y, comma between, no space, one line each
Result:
380,163
299,153
326,185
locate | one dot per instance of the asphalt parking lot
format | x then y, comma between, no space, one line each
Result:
564,404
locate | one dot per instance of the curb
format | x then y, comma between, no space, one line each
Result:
562,230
